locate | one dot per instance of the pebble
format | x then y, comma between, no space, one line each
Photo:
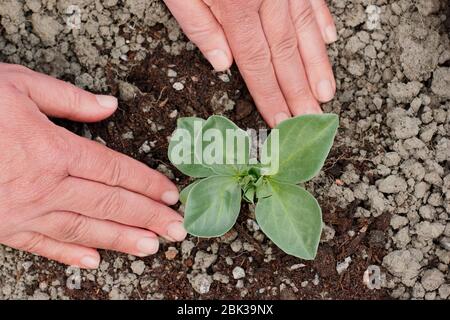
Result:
238,273
178,86
138,267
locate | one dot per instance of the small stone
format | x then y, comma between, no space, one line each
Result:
391,159
171,253
221,103
224,77
432,279
402,125
138,267
173,114
178,86
171,73
403,264
404,92
128,135
186,248
392,184
441,82
327,233
127,91
204,260
444,291
398,221
238,273
342,266
429,230
201,283
222,278
236,245
145,147
445,243
296,266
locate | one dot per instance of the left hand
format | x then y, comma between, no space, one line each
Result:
278,45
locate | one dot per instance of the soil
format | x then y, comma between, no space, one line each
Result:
191,102
384,189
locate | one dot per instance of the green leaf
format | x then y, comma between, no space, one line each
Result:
185,192
304,144
228,151
291,218
182,151
213,206
249,194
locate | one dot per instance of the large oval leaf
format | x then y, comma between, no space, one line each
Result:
291,218
185,192
185,148
304,144
226,147
212,206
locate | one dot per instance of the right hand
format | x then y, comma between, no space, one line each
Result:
278,45
63,196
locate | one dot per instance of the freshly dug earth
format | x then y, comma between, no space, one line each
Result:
385,189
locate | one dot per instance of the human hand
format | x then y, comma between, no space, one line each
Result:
278,45
63,196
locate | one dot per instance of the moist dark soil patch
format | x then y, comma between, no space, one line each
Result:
152,107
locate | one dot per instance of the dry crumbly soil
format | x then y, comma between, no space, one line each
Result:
385,189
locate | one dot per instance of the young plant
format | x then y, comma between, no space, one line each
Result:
294,153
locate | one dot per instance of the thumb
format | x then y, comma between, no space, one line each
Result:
60,99
202,28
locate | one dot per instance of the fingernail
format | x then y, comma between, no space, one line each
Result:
218,59
176,231
170,197
148,246
280,117
325,91
108,102
90,262
330,34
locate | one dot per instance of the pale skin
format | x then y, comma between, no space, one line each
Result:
63,196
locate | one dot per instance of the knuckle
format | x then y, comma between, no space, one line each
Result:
304,17
201,29
152,219
302,92
75,229
112,204
32,244
255,62
285,48
74,100
153,182
115,172
319,61
118,241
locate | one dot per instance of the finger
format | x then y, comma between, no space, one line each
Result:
74,228
252,54
282,39
324,20
93,161
313,51
200,25
70,254
60,99
102,202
